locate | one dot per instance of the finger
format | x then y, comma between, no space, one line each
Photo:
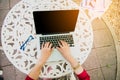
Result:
66,44
60,44
46,44
59,49
50,45
42,45
63,43
52,48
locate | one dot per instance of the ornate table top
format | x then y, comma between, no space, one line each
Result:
19,25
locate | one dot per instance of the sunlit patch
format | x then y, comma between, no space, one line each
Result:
95,8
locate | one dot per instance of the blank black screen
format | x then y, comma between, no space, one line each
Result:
59,21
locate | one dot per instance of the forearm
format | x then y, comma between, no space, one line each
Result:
76,66
35,72
45,53
79,71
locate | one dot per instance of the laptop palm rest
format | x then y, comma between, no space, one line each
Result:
57,56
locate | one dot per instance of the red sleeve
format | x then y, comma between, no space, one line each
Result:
28,78
83,76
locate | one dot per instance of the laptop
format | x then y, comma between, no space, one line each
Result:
53,26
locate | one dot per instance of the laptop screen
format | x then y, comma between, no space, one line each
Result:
51,22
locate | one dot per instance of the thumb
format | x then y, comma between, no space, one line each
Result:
59,49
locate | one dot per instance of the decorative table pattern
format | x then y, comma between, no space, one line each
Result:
19,25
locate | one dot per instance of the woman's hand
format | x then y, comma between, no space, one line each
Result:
46,51
65,50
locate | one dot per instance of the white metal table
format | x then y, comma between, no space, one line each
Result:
19,25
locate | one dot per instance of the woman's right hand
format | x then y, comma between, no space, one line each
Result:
64,50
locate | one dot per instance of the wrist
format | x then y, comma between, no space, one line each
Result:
40,64
78,69
73,62
76,66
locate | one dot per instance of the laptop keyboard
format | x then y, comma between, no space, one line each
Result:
55,39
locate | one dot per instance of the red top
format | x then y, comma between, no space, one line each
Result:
82,76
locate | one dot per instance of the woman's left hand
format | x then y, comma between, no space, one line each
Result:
46,51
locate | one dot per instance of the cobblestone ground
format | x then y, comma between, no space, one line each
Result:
100,64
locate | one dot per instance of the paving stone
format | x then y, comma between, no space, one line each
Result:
98,24
13,2
3,14
9,73
0,61
106,55
0,36
20,75
4,4
102,38
92,61
77,1
118,72
3,59
109,72
96,74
